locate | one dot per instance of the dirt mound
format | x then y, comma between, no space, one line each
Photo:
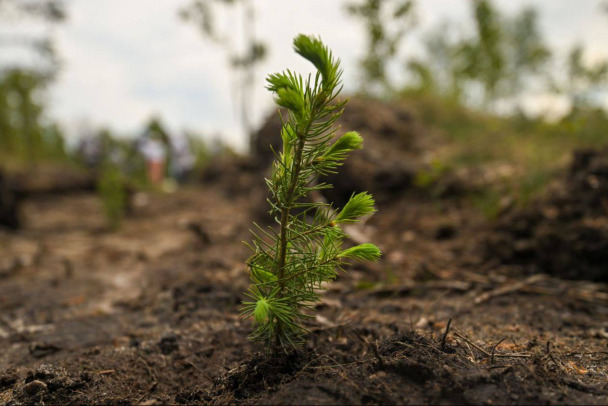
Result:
9,212
241,176
388,162
566,233
236,173
405,369
149,314
47,384
36,181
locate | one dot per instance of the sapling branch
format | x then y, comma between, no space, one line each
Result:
290,265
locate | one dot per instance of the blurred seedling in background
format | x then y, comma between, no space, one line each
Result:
113,193
290,265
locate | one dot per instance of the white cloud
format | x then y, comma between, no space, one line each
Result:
126,60
120,69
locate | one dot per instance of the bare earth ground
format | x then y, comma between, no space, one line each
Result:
149,314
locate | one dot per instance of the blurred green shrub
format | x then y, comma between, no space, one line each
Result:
427,177
500,59
386,24
25,135
114,197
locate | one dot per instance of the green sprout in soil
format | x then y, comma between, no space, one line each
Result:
289,265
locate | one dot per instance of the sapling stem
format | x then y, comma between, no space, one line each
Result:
286,209
289,267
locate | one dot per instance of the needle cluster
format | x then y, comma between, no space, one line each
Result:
290,263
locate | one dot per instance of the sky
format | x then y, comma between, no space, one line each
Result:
125,61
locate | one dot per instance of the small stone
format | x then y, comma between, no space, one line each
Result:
445,232
151,402
380,375
396,257
408,236
41,350
168,344
8,379
35,387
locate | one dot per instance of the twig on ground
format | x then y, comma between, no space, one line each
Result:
405,288
550,355
150,389
515,355
475,277
467,349
506,289
445,335
494,349
587,295
571,354
199,370
487,354
372,346
376,353
472,344
148,369
152,376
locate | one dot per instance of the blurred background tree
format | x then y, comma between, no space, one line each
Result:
203,14
440,71
582,77
386,24
26,133
502,58
528,54
484,57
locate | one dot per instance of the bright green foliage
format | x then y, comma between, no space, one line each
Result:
359,205
367,252
348,142
290,265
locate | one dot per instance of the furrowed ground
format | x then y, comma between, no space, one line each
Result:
468,304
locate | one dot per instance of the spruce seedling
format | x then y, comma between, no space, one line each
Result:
289,265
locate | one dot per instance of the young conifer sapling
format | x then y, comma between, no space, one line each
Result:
289,265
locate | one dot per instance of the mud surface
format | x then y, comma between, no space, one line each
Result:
149,314
566,233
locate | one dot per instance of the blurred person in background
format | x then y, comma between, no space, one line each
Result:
90,150
152,145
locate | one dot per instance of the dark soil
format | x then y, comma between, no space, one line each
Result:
38,180
389,161
566,233
149,314
9,204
